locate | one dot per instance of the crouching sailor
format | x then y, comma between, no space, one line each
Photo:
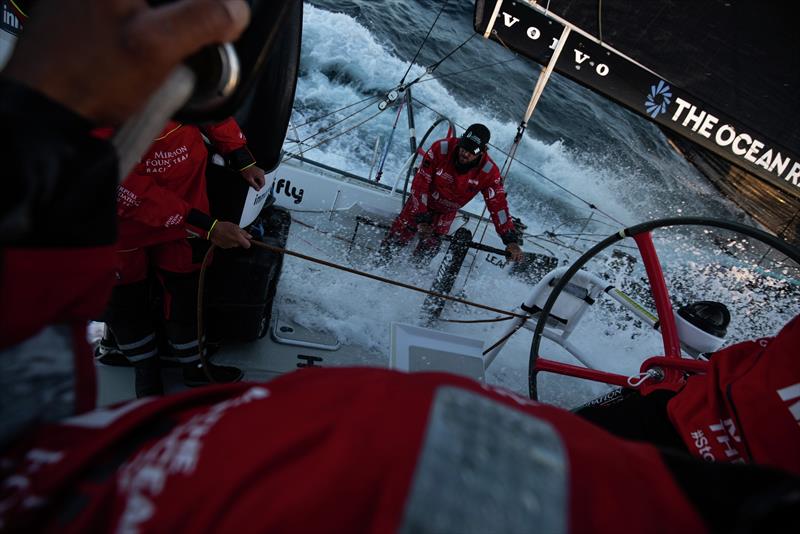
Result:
452,172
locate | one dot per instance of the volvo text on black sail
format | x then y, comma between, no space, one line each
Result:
714,61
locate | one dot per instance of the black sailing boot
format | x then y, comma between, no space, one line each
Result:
107,352
148,377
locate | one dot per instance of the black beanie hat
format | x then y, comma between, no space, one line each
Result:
475,138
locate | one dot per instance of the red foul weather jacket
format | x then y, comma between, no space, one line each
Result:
747,408
57,235
438,187
338,450
164,198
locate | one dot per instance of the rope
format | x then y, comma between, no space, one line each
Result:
638,379
494,320
279,250
465,321
204,363
505,337
411,64
201,346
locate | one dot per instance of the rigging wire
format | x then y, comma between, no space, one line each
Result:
487,65
327,129
379,174
422,44
430,69
315,119
290,155
600,20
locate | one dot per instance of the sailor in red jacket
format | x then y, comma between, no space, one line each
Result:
744,409
69,72
354,450
452,172
164,230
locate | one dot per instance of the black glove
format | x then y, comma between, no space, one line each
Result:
512,236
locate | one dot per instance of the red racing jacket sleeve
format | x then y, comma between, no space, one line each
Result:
421,185
746,409
140,199
228,139
495,197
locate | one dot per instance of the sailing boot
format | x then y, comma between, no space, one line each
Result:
426,250
194,375
388,249
148,377
107,352
180,327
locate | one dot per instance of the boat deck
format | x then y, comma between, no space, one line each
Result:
279,352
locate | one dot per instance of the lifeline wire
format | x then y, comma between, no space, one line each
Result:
204,363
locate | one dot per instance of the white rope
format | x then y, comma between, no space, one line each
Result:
640,378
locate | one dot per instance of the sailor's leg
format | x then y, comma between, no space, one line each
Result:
129,319
630,415
428,247
180,276
107,352
401,232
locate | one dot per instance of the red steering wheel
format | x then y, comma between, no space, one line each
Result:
671,360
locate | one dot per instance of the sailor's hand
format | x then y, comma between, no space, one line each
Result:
103,58
514,252
228,235
254,176
425,230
